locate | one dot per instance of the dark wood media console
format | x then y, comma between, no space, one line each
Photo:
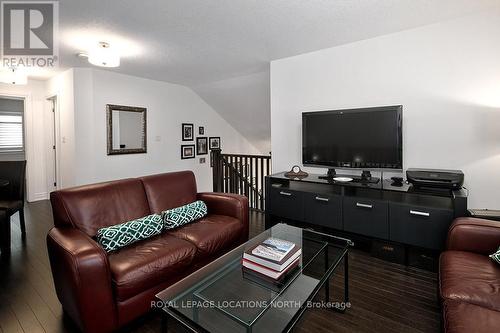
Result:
409,225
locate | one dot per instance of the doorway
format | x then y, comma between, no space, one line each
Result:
52,146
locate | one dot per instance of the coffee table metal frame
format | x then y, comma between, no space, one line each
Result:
192,326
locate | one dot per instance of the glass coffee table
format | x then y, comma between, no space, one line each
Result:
219,298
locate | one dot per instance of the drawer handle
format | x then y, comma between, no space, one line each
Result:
322,199
364,205
416,212
288,194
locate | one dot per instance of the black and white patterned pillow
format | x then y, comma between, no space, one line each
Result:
496,256
176,217
117,236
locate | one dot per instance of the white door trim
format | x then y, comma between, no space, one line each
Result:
57,139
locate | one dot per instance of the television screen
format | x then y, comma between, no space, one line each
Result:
369,138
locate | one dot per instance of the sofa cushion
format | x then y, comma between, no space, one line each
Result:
462,317
470,277
91,207
169,190
117,236
212,234
177,217
148,263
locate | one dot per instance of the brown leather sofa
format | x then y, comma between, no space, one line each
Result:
469,281
102,292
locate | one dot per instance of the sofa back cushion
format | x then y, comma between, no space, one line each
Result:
169,190
95,206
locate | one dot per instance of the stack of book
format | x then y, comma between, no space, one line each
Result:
271,262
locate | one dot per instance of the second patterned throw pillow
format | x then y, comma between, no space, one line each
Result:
176,217
496,256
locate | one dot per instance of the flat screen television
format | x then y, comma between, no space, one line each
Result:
367,139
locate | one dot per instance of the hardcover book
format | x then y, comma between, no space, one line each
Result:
258,254
276,275
273,249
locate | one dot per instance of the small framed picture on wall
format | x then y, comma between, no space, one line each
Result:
187,132
187,151
202,145
201,130
214,142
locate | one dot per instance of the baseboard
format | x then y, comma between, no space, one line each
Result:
38,197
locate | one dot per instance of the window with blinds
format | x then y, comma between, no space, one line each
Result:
11,132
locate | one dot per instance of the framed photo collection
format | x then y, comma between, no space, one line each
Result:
201,144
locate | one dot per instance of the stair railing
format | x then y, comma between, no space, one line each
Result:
241,174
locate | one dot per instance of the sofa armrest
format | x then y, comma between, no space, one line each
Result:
233,205
82,279
474,235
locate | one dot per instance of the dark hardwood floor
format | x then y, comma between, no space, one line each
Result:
385,297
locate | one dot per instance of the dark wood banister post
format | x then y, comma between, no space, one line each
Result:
217,170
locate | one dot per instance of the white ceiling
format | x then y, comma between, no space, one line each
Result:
215,46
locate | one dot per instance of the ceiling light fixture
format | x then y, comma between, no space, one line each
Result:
13,76
104,56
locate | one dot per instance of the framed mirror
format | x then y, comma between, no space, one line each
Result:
126,129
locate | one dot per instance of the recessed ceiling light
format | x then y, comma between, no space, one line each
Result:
104,55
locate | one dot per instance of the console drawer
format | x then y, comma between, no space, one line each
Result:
366,217
286,203
419,226
323,209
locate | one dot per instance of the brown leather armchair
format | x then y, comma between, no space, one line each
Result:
103,291
469,281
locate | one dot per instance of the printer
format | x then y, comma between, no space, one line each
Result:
434,178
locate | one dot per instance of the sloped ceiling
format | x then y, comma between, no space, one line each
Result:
222,48
244,102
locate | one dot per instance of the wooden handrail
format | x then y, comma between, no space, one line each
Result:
240,155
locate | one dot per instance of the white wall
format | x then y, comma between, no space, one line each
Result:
446,75
35,118
168,106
